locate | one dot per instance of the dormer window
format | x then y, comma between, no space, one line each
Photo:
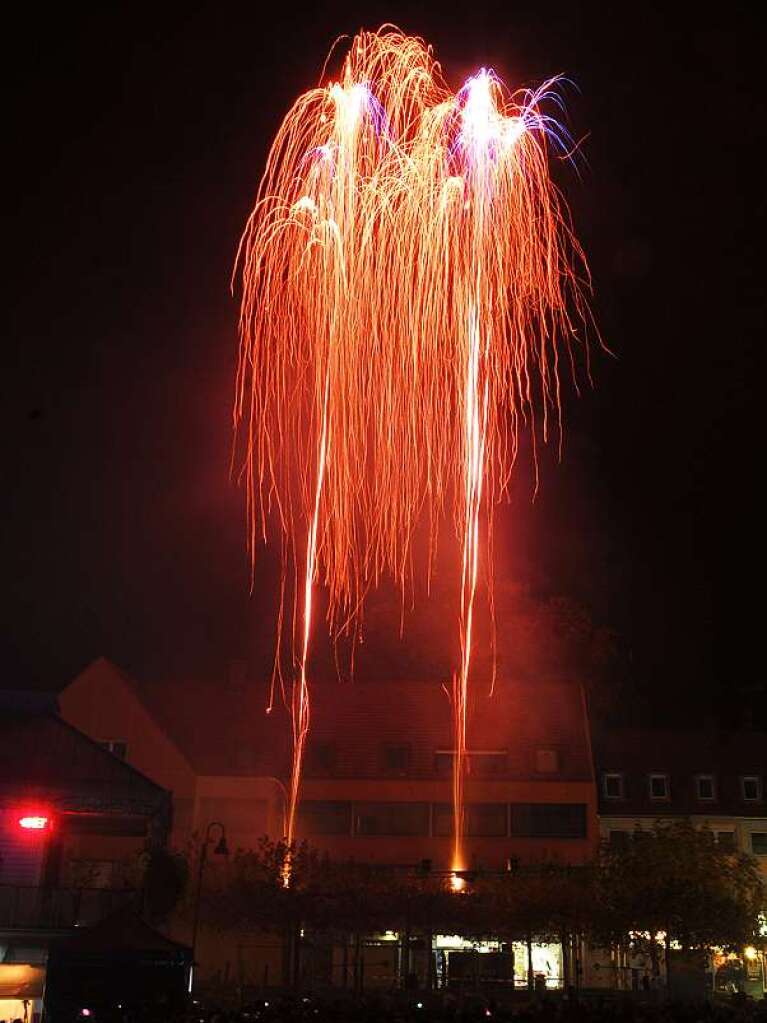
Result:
660,788
751,788
705,787
612,785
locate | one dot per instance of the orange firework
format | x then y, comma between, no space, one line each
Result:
409,276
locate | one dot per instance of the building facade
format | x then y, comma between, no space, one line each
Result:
713,778
376,783
73,817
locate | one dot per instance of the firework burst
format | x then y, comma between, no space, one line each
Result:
410,282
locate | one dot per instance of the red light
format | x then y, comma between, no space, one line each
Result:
34,823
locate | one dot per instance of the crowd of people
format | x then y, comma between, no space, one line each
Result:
737,1008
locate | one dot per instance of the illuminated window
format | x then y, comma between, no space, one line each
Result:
117,747
396,759
726,839
705,787
659,786
751,788
391,818
548,820
759,843
546,761
612,785
321,817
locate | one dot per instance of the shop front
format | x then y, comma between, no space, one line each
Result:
21,991
462,962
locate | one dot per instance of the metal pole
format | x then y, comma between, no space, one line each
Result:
196,923
203,859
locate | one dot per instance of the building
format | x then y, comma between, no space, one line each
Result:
377,776
72,819
714,778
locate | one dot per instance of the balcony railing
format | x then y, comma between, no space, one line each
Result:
58,908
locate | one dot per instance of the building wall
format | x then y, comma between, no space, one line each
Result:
22,853
491,852
248,807
101,703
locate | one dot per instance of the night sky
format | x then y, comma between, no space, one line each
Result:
137,136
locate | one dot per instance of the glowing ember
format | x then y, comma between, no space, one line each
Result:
408,273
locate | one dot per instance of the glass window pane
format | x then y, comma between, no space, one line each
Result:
392,818
319,817
548,820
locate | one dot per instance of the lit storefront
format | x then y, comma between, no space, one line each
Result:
21,991
461,960
745,972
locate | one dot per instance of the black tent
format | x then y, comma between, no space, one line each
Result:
121,961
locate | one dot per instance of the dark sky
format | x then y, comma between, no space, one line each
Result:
138,133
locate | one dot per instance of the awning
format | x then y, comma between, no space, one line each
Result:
20,981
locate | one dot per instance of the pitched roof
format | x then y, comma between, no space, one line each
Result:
225,730
518,719
43,755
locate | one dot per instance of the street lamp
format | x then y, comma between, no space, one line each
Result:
221,849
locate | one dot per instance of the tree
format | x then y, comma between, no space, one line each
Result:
674,886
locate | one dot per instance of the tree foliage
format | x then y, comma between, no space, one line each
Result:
672,880
677,881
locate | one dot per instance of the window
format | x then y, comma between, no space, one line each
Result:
481,820
391,818
396,759
751,788
619,839
659,786
759,843
726,839
548,820
705,787
547,761
319,817
486,820
321,757
612,785
117,747
443,761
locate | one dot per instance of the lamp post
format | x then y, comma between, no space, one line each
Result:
221,849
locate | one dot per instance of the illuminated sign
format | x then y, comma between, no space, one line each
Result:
34,822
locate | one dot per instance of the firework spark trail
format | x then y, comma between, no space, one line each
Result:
409,277
475,424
